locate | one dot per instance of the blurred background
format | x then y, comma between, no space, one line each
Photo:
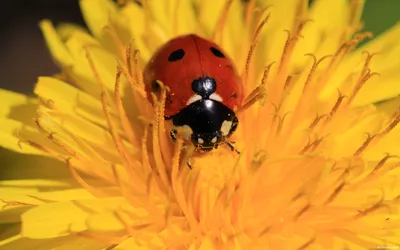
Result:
23,55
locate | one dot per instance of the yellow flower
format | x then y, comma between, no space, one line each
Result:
318,166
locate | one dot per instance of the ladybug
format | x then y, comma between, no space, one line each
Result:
204,90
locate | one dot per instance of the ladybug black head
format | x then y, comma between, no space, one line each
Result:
211,123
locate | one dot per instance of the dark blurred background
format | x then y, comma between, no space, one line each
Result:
23,55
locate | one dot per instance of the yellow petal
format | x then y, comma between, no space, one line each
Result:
17,106
9,137
147,242
71,55
129,244
19,196
383,45
61,243
105,63
136,19
8,231
97,14
55,44
12,214
70,100
379,88
389,106
63,218
17,166
183,17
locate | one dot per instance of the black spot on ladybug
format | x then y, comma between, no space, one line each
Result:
216,52
155,86
176,55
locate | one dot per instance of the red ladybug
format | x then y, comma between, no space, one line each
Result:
204,89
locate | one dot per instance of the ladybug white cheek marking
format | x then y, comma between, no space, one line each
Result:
193,99
216,97
226,127
185,131
214,140
201,141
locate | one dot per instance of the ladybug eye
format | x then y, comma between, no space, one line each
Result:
176,55
155,86
216,52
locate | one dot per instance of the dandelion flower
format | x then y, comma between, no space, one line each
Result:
319,162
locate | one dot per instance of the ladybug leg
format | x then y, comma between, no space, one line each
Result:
188,155
188,163
230,145
172,134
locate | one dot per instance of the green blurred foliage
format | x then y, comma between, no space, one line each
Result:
379,15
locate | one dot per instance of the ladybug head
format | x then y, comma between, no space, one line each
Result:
210,121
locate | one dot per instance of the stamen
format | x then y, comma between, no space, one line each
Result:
379,165
13,203
94,191
157,133
258,93
335,193
117,41
249,11
365,144
367,62
302,211
145,155
63,146
128,227
35,145
301,12
38,126
356,10
138,69
134,85
335,107
48,103
219,27
393,123
311,145
360,84
345,49
127,161
176,182
128,58
307,244
126,125
312,70
281,121
317,120
287,83
289,47
253,45
371,209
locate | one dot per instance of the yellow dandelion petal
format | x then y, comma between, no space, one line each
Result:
65,243
318,165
